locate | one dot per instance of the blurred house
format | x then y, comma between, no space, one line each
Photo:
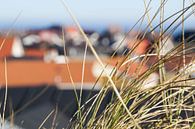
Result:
167,45
11,47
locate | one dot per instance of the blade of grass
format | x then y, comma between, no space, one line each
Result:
48,116
72,81
6,90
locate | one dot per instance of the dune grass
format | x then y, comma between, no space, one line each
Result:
169,104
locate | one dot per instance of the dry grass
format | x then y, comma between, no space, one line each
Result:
168,105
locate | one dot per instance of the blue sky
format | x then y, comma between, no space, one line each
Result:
90,13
